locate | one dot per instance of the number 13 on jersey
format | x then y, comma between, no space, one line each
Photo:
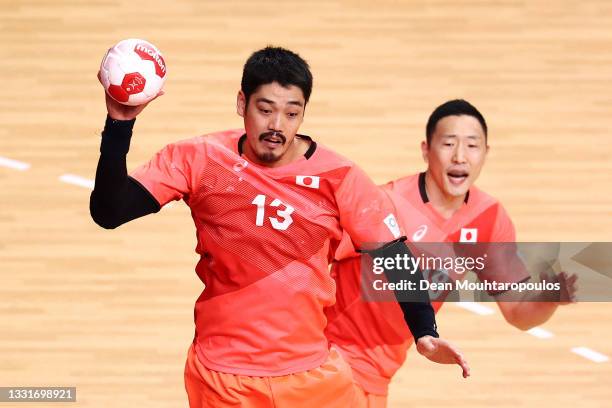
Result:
284,214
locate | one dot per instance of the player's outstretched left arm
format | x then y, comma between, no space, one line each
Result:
418,313
442,352
367,214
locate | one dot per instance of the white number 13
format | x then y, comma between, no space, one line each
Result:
260,202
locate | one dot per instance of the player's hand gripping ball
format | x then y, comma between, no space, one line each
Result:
133,72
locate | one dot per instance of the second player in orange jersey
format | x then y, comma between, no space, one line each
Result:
440,205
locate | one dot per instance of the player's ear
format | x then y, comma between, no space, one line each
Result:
241,103
425,151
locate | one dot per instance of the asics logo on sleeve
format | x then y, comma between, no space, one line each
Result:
419,233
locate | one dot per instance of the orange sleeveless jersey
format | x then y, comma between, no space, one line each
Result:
372,336
264,236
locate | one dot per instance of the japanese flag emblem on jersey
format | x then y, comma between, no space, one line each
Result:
468,235
391,223
307,181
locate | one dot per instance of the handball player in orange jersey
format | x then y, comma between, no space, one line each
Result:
269,206
439,205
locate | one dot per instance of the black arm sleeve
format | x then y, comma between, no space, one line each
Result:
418,313
117,198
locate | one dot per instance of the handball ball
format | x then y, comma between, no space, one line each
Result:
133,72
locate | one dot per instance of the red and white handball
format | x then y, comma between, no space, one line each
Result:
133,72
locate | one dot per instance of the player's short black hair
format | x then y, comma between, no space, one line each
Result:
276,64
455,107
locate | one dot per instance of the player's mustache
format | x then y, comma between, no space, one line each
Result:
277,134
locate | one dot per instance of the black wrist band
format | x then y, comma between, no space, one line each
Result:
116,137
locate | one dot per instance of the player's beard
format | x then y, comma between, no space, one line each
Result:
267,156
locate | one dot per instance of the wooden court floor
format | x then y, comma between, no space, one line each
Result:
110,312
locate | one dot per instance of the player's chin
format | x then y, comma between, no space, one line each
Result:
269,156
457,188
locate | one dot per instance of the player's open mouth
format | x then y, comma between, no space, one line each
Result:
456,177
273,142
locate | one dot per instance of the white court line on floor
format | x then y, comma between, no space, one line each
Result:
77,181
540,333
476,308
590,354
14,164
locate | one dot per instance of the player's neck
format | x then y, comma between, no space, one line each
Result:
444,204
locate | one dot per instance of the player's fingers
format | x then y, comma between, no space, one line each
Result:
160,93
466,369
570,280
567,277
459,359
569,289
99,77
454,354
573,289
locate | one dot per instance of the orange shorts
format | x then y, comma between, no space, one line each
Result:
366,400
327,386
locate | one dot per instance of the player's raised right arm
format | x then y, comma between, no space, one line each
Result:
118,198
